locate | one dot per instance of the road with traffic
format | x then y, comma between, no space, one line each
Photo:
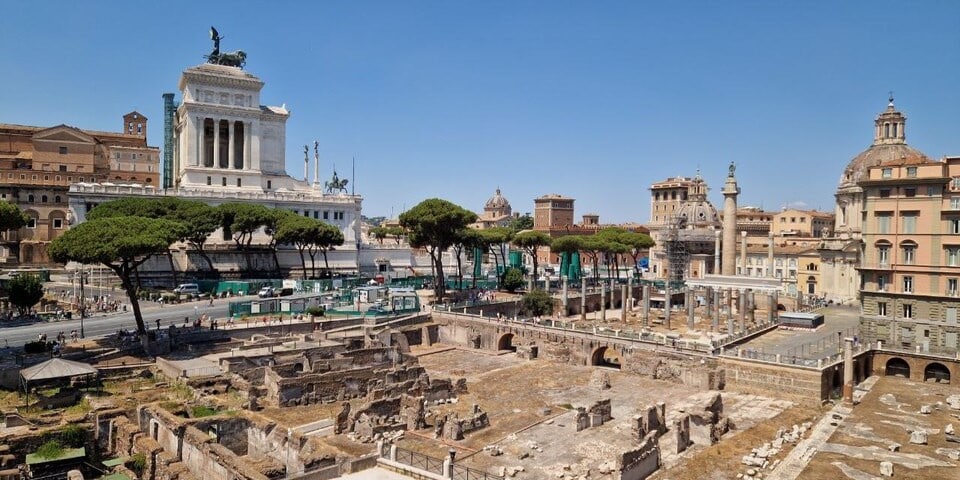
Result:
102,324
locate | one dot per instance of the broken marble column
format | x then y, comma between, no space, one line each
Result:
583,298
682,427
564,297
646,305
715,325
848,370
886,469
751,306
743,310
918,437
666,304
623,303
771,308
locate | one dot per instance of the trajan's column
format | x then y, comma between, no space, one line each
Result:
728,264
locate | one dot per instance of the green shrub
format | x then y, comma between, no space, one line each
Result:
37,347
50,449
512,279
537,303
315,311
137,463
73,436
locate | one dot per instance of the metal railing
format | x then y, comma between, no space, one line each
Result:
461,472
419,461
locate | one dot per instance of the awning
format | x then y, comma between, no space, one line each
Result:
57,368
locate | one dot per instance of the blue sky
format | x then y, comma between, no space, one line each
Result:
593,100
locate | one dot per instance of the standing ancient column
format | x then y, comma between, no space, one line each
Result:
201,143
716,252
715,325
690,308
770,255
603,301
646,305
564,297
666,304
743,253
848,370
742,296
247,126
583,298
729,255
623,303
771,308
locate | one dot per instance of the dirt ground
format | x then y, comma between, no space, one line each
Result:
877,423
531,409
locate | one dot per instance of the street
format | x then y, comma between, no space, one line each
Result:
104,324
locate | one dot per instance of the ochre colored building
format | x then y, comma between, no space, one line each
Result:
38,165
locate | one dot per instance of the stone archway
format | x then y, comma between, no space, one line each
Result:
936,371
505,342
606,357
897,367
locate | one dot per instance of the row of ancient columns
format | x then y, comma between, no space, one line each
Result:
743,254
626,298
236,160
716,300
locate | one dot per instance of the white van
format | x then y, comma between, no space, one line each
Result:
187,289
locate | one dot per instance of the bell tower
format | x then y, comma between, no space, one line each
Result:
889,127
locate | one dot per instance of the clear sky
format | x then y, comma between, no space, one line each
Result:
593,100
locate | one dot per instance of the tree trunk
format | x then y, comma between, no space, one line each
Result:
326,264
123,271
459,271
533,255
303,263
205,257
441,284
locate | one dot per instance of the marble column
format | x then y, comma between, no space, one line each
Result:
630,293
246,145
666,304
716,252
730,318
216,143
770,255
690,308
603,301
743,253
848,370
201,141
583,298
715,325
231,156
743,310
751,306
646,305
771,308
565,299
623,303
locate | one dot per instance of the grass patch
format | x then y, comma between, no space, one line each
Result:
137,463
74,436
201,411
82,407
51,449
181,392
566,406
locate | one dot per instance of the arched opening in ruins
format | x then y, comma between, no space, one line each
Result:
936,371
898,367
606,357
506,342
298,367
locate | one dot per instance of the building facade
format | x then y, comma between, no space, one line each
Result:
801,223
911,254
38,165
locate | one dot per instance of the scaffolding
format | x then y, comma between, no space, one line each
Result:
678,258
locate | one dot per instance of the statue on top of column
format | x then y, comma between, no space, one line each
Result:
231,59
733,168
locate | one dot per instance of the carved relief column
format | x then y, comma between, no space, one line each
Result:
216,143
231,156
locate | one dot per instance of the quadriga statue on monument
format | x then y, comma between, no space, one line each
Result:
231,59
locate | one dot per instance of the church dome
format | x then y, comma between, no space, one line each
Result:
497,202
889,145
698,214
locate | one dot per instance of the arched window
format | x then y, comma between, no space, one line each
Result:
43,199
886,130
56,199
30,198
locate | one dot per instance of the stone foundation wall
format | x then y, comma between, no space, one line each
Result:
803,386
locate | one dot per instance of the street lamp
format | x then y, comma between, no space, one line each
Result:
83,305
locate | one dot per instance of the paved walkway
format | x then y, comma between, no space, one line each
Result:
375,473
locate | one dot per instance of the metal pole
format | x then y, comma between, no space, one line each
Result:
83,305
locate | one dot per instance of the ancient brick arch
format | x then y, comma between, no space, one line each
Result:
937,371
897,366
505,342
605,356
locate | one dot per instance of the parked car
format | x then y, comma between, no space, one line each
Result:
187,289
267,292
